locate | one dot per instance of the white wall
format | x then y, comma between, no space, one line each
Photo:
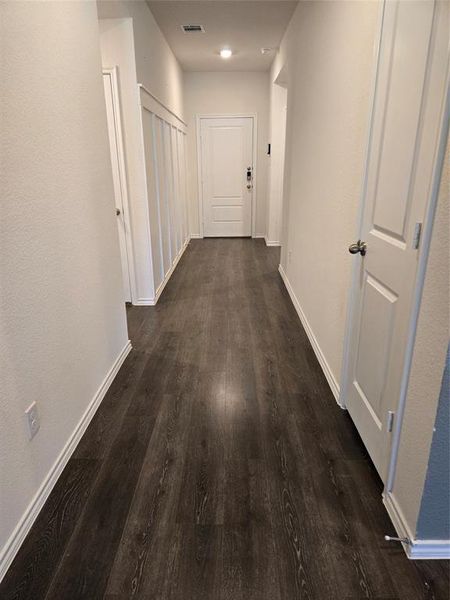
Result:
156,66
327,61
278,114
131,40
327,53
428,365
62,314
228,93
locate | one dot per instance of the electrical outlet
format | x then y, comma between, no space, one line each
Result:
32,418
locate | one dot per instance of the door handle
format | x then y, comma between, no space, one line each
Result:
117,211
359,247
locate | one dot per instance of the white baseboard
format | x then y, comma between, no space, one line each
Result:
20,532
429,550
196,236
144,302
271,243
416,549
332,382
162,285
171,270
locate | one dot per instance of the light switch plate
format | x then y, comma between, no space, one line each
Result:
32,419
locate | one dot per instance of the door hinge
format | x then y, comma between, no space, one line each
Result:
390,421
417,234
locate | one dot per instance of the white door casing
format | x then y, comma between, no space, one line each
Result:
118,172
406,129
225,155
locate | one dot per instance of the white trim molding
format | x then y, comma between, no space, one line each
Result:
19,534
332,382
162,285
429,550
271,243
196,236
164,106
416,549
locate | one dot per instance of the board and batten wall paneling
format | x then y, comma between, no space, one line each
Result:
153,217
170,188
163,146
174,160
183,190
162,176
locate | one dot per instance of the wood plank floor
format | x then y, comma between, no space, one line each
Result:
219,466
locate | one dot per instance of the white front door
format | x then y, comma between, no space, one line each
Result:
118,171
407,123
227,175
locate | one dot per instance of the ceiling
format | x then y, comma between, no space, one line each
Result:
244,26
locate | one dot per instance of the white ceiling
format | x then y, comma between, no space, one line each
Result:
242,25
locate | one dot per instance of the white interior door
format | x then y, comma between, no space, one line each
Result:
407,122
118,171
227,175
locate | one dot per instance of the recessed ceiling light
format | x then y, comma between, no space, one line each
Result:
225,53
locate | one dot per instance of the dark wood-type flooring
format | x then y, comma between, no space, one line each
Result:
219,466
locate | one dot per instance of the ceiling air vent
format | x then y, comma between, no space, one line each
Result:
193,28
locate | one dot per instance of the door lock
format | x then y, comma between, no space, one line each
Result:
359,247
249,178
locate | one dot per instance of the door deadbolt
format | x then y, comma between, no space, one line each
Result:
359,247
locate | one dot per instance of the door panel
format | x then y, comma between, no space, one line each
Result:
408,61
118,179
227,150
226,154
375,337
406,123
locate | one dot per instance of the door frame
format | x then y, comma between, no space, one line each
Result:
113,73
422,259
198,122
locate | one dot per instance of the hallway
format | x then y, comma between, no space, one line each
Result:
219,465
